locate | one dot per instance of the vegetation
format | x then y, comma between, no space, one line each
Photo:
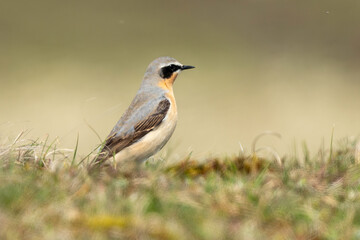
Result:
46,193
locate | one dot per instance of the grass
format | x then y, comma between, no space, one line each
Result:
46,194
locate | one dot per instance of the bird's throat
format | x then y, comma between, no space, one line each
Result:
168,82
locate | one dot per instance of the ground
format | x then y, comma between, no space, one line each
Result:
47,193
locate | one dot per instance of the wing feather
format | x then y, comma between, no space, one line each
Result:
115,144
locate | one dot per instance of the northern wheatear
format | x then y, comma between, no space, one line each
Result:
151,118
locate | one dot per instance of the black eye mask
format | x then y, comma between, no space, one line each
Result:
167,71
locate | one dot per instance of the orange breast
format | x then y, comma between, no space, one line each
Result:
168,83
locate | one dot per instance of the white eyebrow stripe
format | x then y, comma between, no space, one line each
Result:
168,64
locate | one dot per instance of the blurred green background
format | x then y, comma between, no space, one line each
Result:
287,66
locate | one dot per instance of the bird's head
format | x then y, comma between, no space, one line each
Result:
163,72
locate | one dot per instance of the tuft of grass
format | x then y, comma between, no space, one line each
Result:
75,150
47,193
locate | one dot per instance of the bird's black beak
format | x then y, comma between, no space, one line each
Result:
184,67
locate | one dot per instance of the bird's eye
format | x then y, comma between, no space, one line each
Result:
167,71
174,67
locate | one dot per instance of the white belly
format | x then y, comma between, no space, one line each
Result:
151,143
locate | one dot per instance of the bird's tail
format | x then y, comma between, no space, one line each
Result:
98,161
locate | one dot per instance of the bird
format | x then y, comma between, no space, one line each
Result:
149,121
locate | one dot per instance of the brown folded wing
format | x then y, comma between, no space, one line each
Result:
115,144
